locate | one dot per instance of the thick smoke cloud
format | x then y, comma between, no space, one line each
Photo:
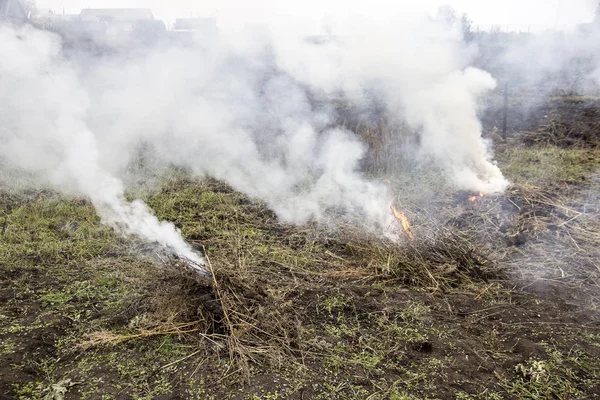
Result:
43,130
422,70
240,109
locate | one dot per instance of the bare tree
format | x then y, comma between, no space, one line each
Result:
448,16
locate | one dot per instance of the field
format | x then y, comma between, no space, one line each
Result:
497,297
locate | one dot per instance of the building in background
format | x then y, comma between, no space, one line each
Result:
116,15
112,26
46,18
108,28
119,21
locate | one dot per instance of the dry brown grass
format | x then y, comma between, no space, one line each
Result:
540,234
267,276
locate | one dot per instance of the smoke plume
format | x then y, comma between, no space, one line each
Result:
43,130
245,108
422,71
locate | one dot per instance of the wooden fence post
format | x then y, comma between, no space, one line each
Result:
505,114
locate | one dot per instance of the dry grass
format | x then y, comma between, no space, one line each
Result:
265,274
276,287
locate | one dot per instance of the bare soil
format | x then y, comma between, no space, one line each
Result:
496,299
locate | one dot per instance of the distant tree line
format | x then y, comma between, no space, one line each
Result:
450,17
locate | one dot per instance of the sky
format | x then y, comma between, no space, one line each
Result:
512,14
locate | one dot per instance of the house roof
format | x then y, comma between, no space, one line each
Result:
117,14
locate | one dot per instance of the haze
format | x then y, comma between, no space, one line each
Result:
233,14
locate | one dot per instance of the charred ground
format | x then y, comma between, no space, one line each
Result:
496,298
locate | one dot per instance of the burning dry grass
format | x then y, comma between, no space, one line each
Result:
539,234
266,274
544,230
556,237
275,287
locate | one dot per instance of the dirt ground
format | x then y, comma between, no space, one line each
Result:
498,297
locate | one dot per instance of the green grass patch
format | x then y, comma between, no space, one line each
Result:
561,374
542,166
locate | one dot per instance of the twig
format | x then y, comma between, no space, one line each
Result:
216,285
487,316
329,253
514,203
230,325
487,309
574,242
484,291
558,206
572,219
180,360
125,338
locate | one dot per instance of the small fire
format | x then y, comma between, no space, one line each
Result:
405,224
473,199
399,215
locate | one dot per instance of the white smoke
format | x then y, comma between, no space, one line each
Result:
231,117
43,112
239,109
422,70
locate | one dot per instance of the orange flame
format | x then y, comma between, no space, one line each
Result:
404,221
473,199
